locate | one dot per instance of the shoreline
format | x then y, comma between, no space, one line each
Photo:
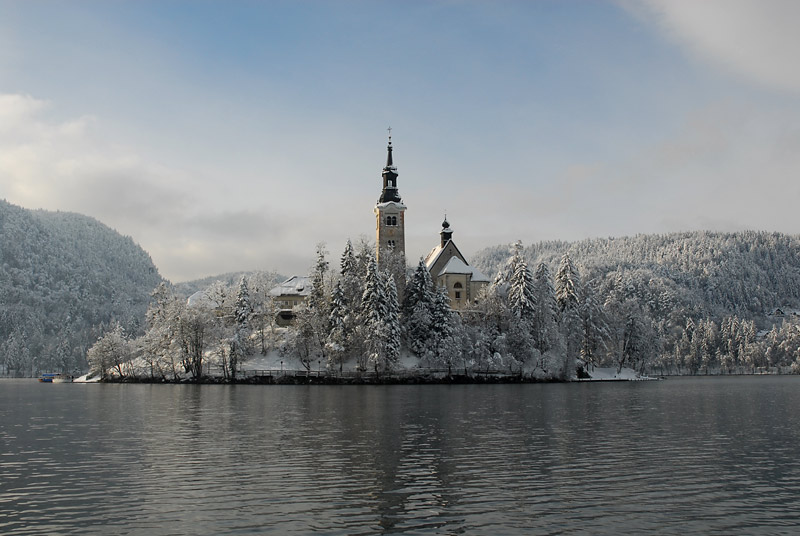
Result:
290,379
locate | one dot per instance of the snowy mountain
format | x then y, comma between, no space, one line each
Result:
63,276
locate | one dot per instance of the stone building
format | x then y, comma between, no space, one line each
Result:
449,269
390,243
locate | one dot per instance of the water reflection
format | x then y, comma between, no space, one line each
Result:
696,456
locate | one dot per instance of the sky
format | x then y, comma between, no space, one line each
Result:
237,135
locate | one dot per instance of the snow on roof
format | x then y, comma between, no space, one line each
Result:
457,266
294,286
393,204
433,256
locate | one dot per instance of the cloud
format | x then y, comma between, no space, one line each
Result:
68,165
756,40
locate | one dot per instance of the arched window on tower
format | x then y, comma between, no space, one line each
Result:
457,288
391,220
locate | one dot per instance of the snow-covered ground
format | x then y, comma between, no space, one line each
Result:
610,374
86,378
407,365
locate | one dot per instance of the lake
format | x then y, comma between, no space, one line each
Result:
681,456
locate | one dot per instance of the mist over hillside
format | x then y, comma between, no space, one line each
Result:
64,277
230,279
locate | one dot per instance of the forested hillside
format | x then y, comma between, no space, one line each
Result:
684,302
64,278
691,274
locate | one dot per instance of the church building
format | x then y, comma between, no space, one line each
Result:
446,264
390,243
450,269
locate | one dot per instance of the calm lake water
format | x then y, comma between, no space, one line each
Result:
682,456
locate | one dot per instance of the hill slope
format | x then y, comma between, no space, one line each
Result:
682,274
62,275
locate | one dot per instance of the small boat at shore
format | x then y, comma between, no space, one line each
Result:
55,377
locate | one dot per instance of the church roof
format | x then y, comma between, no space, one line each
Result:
457,266
433,256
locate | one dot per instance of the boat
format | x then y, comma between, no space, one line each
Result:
55,377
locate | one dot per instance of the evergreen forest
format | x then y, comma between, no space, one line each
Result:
65,279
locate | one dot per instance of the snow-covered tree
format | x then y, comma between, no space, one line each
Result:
418,311
387,354
351,275
594,330
193,328
443,324
160,345
545,326
318,298
110,351
521,297
506,272
566,284
373,312
240,344
338,340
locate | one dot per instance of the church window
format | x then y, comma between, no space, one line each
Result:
391,244
458,285
391,220
458,294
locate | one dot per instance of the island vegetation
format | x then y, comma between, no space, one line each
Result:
528,325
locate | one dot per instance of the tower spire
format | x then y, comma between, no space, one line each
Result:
389,163
389,175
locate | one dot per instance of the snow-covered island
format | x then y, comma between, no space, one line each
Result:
375,320
351,327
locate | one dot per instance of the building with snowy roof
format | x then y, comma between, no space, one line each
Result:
449,269
289,295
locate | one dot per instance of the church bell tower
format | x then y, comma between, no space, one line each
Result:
390,223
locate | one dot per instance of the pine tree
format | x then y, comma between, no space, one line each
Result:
240,346
504,275
546,309
521,297
442,324
418,310
594,330
338,336
317,301
566,285
391,324
348,263
373,311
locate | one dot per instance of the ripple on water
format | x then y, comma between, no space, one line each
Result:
667,457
